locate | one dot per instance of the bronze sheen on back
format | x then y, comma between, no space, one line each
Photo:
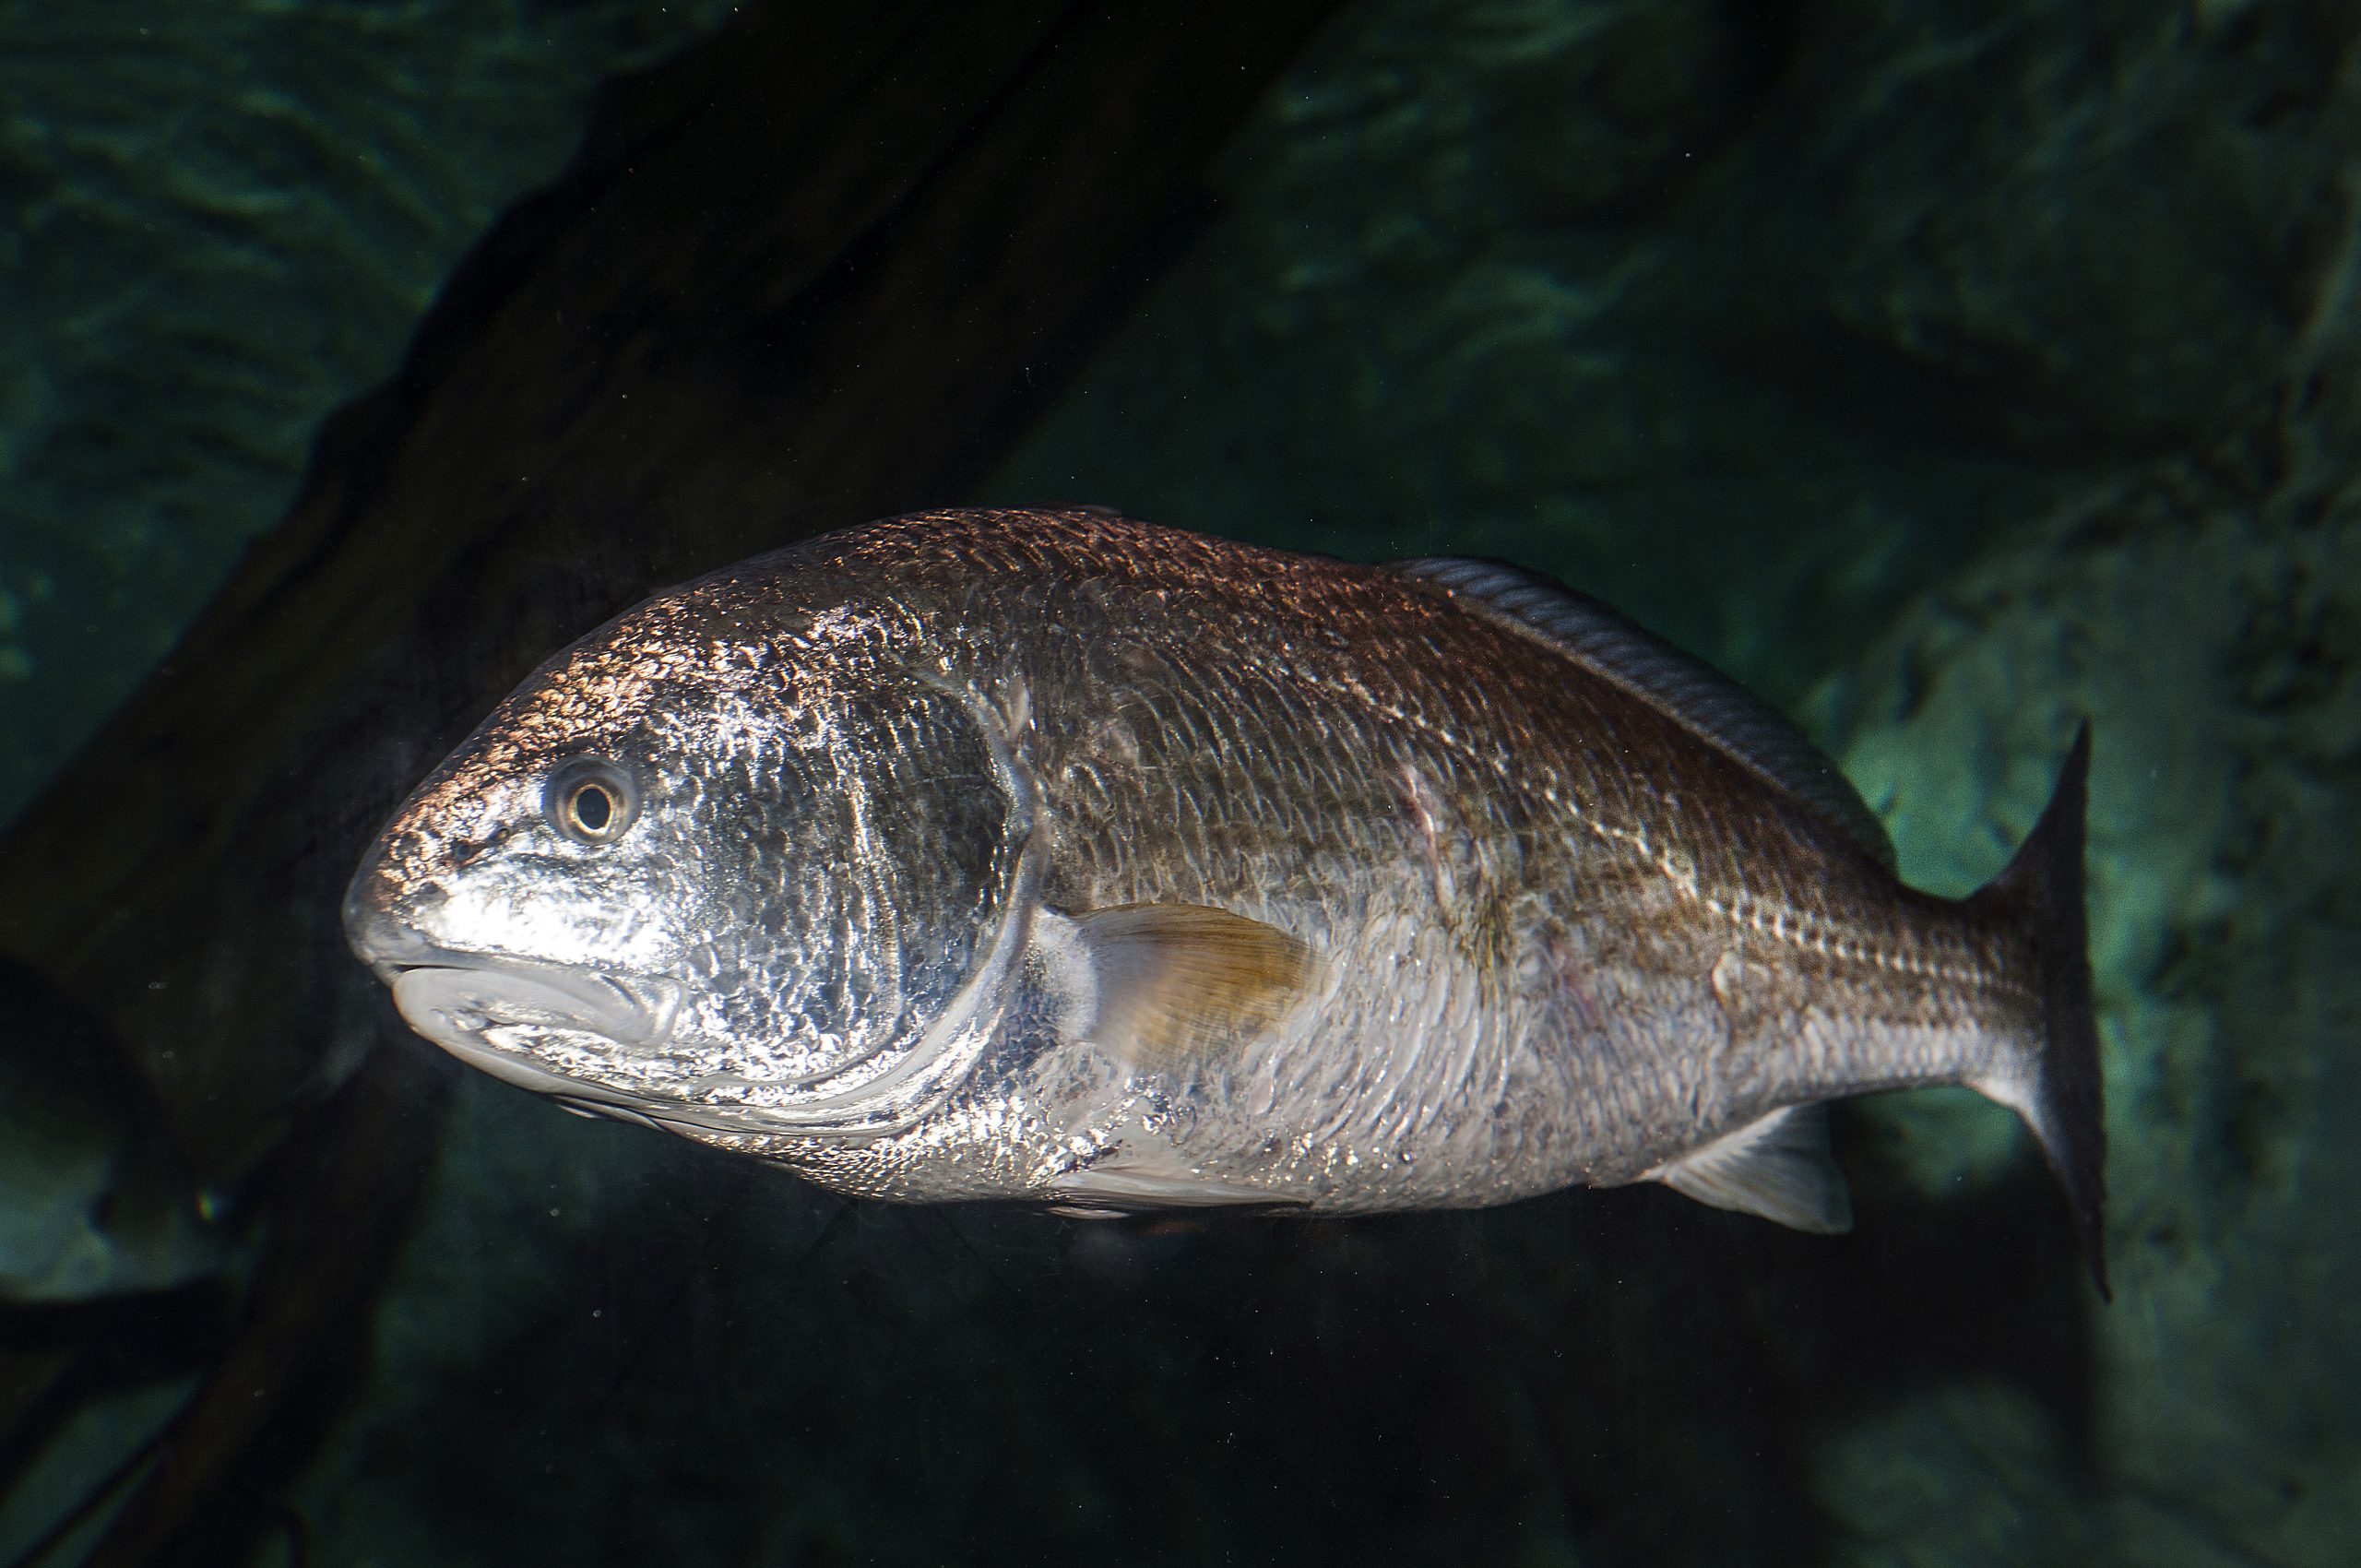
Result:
1055,856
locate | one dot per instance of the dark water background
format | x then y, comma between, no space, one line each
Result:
1944,372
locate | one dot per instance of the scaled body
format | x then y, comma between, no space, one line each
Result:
1055,856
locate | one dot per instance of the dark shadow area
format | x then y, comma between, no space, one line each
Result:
1623,1376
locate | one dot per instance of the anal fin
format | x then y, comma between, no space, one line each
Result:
1776,1166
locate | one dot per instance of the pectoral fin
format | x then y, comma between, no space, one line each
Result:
1177,983
1777,1165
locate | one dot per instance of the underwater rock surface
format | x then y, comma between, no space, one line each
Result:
224,219
1750,320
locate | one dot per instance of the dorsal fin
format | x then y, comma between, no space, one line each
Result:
1680,685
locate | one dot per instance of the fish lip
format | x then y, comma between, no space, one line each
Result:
452,996
425,977
425,989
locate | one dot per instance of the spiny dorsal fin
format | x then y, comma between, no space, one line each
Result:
1682,686
1179,981
1776,1166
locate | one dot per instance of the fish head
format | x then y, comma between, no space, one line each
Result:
714,866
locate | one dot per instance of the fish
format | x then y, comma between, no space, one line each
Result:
1055,856
96,1199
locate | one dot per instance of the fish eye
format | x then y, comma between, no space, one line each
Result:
590,800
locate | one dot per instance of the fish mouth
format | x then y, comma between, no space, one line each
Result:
475,1005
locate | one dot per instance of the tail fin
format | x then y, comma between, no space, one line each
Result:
2059,1099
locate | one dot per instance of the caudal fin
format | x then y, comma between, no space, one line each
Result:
2057,1093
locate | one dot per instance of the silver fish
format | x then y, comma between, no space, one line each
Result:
1054,855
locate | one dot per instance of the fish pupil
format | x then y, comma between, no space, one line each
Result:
593,808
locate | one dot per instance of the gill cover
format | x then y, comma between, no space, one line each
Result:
937,1040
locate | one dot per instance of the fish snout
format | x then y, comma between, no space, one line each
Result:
384,915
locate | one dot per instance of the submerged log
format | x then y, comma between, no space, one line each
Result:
820,268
